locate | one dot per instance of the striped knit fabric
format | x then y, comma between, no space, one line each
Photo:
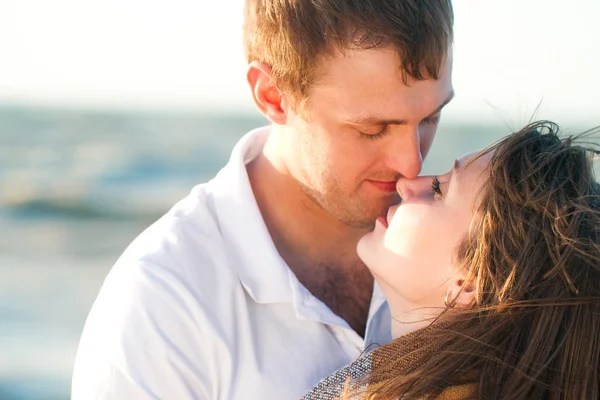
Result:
332,387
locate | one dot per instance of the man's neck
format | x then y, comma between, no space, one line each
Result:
301,229
319,249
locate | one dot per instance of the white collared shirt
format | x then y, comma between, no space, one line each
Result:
202,306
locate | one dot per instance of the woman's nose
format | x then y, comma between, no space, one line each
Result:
418,186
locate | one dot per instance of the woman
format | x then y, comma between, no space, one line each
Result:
492,274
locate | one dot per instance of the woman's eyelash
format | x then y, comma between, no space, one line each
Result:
435,186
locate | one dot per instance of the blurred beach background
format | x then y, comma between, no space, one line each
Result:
112,111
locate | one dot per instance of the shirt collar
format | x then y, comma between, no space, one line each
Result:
261,269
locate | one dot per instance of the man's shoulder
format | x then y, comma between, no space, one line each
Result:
195,214
185,245
177,270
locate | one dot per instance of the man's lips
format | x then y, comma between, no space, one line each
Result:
386,186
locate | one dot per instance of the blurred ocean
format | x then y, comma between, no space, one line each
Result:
75,188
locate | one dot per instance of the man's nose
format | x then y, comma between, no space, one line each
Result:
404,153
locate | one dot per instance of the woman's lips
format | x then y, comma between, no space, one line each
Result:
386,219
383,221
390,214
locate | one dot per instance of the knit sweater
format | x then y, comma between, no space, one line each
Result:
332,387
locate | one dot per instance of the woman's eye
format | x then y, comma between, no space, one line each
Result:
435,188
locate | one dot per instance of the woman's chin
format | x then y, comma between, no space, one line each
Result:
370,241
367,249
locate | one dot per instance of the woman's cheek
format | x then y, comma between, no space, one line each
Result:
408,239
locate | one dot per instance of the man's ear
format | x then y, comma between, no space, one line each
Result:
461,293
267,96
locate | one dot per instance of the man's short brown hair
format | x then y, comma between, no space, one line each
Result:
291,36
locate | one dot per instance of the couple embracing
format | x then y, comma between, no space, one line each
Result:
319,263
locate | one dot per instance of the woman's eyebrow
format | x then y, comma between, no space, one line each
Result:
456,168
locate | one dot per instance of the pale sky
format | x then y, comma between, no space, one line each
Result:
510,55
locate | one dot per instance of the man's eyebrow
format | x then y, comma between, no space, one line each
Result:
371,120
444,104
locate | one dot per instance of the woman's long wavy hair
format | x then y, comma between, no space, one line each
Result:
533,255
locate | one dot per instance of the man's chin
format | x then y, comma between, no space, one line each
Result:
366,220
361,216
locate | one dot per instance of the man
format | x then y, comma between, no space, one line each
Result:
250,288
